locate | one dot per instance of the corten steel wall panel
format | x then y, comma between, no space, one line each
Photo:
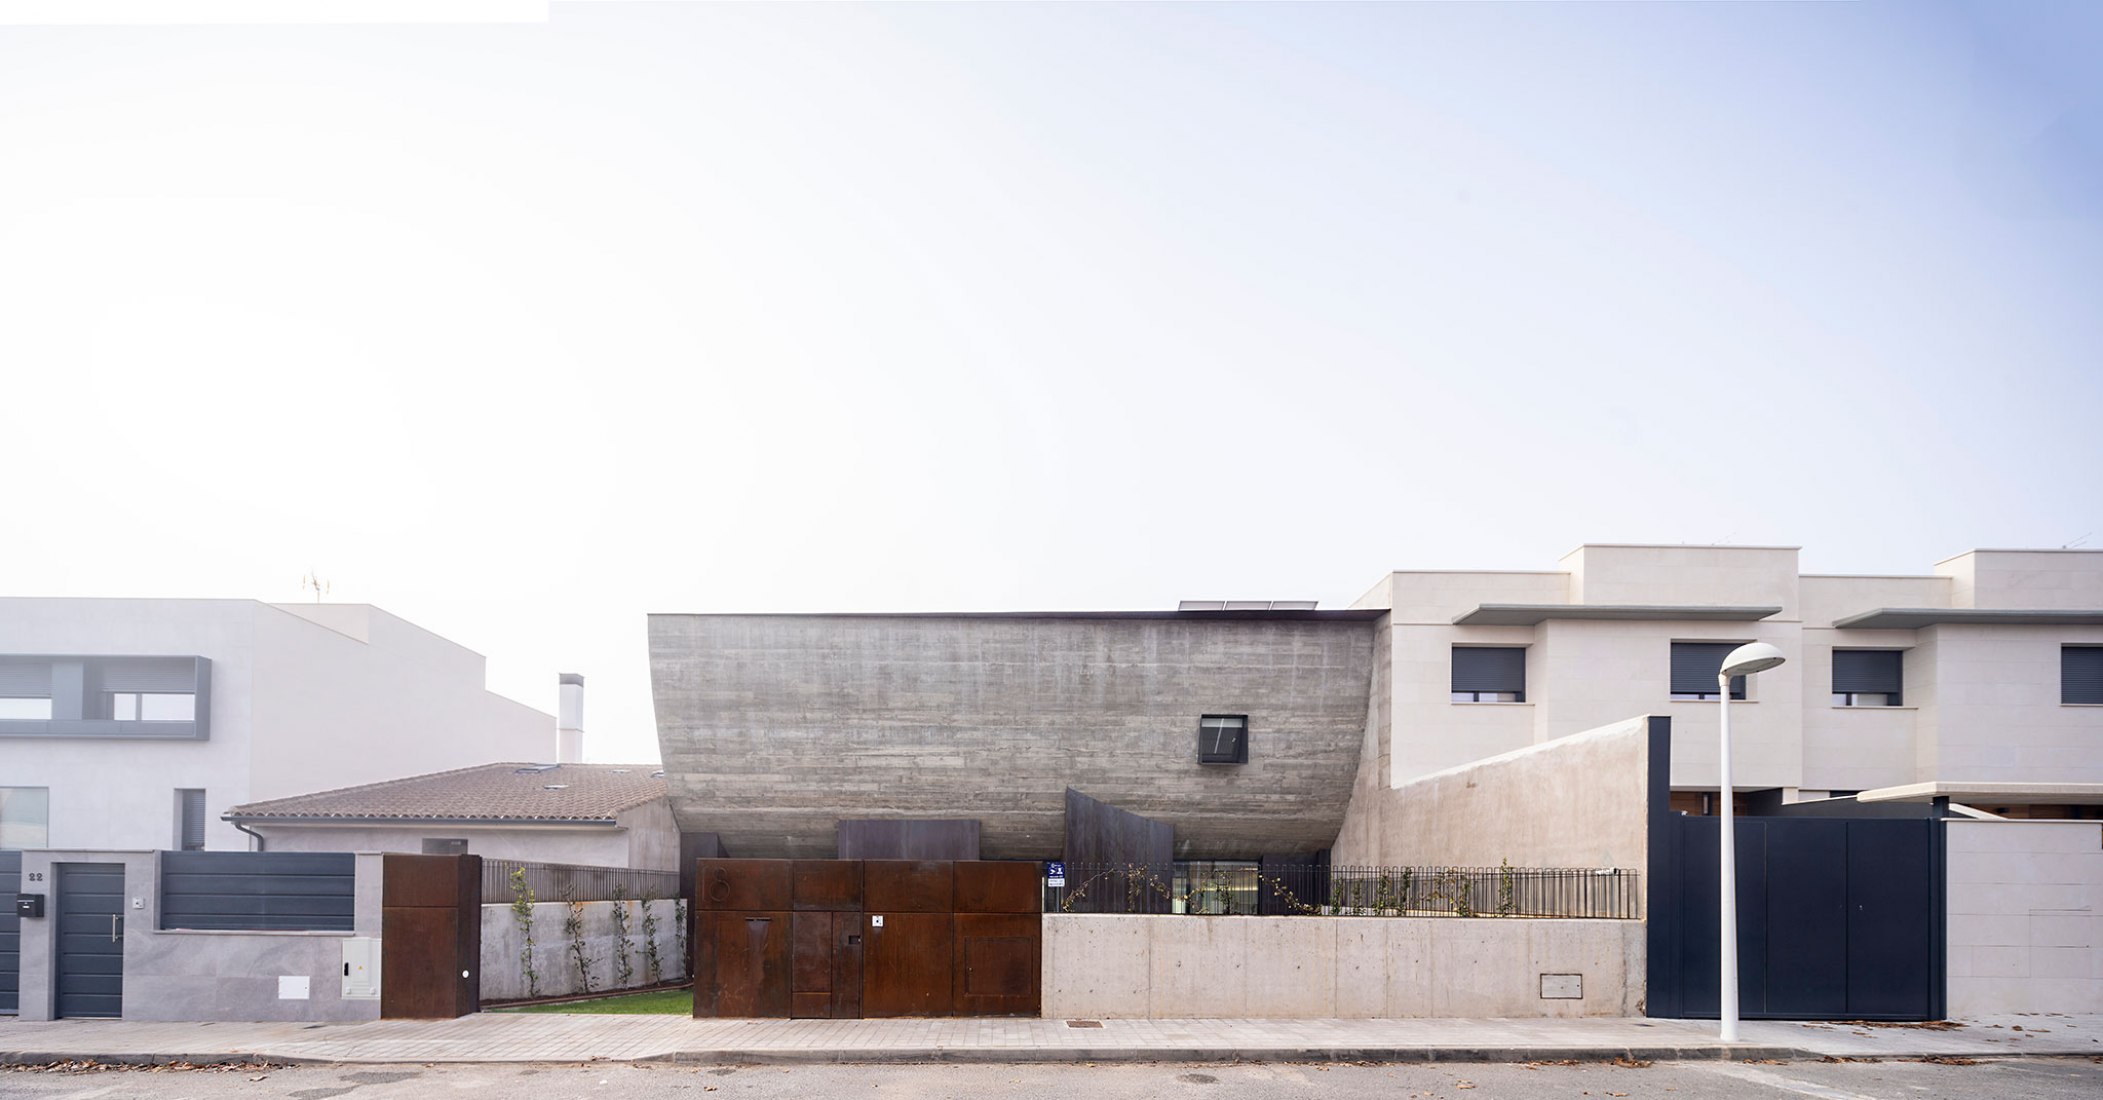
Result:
742,966
907,964
991,887
775,728
904,886
996,964
846,966
901,839
1101,838
810,1006
419,953
745,885
830,885
811,952
420,881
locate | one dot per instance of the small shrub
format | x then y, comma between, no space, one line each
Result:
623,965
679,918
653,966
573,927
522,911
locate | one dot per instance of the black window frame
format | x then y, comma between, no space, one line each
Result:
2080,687
1487,675
1709,694
1865,679
1240,753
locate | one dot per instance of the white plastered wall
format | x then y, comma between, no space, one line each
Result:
2025,927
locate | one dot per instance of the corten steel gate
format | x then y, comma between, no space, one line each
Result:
843,939
430,936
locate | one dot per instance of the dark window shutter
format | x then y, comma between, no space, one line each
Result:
1868,670
2081,674
1695,665
193,820
1484,668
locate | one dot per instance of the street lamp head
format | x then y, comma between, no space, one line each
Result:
1751,657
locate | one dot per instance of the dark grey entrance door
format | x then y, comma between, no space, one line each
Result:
90,939
10,934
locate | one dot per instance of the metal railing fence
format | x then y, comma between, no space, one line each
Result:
572,882
1248,890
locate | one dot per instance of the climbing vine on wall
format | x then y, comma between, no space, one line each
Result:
522,912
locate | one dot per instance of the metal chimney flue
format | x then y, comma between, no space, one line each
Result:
569,720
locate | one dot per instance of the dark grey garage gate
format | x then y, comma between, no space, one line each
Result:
10,935
90,939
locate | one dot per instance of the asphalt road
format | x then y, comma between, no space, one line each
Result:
1996,1079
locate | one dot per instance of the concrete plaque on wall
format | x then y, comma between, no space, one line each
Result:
1562,987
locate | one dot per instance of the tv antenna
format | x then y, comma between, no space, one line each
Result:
2077,542
314,583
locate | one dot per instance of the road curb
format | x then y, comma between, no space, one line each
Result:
1043,1055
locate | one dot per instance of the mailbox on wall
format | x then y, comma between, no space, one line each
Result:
29,905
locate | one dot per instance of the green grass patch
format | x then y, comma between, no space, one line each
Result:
657,1002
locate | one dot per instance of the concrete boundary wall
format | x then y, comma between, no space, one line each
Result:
1577,801
2025,930
503,979
174,975
1137,967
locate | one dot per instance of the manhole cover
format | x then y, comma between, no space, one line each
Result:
1084,1023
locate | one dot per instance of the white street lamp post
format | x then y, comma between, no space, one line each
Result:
1742,661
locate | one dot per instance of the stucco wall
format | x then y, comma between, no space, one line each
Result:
503,972
193,975
604,846
774,728
2025,916
1579,801
1114,966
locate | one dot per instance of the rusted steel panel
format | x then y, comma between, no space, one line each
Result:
1012,887
742,966
419,963
811,952
907,964
467,942
847,966
903,886
996,964
831,885
907,839
810,1006
1103,836
747,885
422,881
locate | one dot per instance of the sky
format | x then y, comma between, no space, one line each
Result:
523,330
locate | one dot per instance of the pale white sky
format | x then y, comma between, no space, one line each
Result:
524,331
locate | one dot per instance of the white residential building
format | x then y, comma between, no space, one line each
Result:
1982,676
136,723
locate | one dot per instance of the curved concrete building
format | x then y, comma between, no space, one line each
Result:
774,728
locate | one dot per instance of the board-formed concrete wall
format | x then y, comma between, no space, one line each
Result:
775,727
2025,929
1578,801
1127,967
504,977
205,975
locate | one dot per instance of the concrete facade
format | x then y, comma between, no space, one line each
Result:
1137,967
204,975
1980,701
774,728
503,941
2025,916
303,697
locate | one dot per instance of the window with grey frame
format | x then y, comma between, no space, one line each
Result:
1695,666
1223,739
1489,674
2081,675
1868,677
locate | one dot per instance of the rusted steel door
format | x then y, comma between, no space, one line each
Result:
430,936
909,886
743,885
995,887
742,963
907,963
996,964
847,966
811,965
828,885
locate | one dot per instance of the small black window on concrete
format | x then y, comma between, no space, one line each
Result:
1223,739
2081,674
1867,677
1489,674
1694,669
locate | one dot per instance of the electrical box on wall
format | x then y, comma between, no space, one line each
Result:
361,968
29,905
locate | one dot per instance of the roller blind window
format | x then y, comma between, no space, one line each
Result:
1694,669
1489,674
2081,674
1867,677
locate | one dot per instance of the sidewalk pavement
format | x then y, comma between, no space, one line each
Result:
539,1037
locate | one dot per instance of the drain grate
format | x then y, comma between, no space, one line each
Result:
1084,1023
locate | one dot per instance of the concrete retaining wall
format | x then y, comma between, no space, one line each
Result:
503,979
2025,916
1114,966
